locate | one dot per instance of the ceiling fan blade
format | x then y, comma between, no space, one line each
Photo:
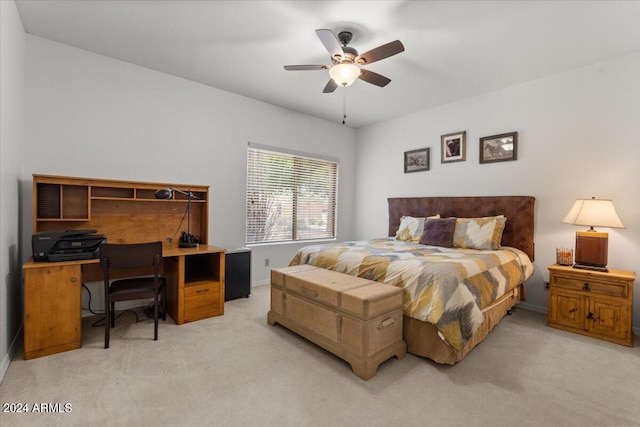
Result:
330,42
305,67
381,52
330,87
374,78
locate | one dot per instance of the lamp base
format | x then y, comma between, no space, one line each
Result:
592,250
591,267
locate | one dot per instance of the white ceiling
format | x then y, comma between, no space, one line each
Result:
453,49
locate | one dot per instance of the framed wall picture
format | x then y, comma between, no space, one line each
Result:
453,147
416,160
499,148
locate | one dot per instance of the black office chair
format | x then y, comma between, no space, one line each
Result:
141,258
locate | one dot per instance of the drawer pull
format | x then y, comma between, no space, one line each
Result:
585,287
389,321
590,317
310,292
202,291
73,280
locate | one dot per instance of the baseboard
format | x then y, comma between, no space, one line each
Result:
6,361
532,307
260,283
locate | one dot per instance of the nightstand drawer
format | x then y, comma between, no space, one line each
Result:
592,285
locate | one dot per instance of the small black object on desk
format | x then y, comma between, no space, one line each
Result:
187,240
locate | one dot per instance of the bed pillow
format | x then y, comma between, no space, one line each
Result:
438,232
479,233
411,228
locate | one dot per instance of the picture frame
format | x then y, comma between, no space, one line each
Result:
416,160
499,148
453,147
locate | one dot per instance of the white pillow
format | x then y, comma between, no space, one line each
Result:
411,228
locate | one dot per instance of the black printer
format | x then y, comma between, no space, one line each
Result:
66,245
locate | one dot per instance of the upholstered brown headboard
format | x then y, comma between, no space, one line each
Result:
519,210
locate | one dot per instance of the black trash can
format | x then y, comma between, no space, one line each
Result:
237,281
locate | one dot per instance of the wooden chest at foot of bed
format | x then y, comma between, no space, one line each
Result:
356,319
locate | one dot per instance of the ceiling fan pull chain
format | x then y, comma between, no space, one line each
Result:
344,106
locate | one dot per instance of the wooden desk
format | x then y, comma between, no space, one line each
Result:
53,295
125,212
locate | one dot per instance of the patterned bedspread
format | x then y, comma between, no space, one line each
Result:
443,286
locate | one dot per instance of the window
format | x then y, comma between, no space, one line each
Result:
290,196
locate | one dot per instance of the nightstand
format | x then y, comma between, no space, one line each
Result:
592,303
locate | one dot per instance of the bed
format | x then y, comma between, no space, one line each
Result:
452,297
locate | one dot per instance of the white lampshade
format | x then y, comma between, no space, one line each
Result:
593,213
344,74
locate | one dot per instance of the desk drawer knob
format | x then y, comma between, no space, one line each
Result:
585,287
73,280
202,291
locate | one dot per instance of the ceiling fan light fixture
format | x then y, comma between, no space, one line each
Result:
344,74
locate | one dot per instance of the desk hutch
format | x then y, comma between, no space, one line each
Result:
125,212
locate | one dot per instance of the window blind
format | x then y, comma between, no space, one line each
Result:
289,197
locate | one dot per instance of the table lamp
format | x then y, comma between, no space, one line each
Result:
187,240
591,245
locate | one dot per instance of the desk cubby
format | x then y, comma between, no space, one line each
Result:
199,268
58,202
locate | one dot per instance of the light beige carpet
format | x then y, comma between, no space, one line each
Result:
236,370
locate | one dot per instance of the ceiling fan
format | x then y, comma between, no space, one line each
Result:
347,63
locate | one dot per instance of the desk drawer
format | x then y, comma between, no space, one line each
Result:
201,301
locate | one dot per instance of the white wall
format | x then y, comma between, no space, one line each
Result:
12,60
91,116
578,136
